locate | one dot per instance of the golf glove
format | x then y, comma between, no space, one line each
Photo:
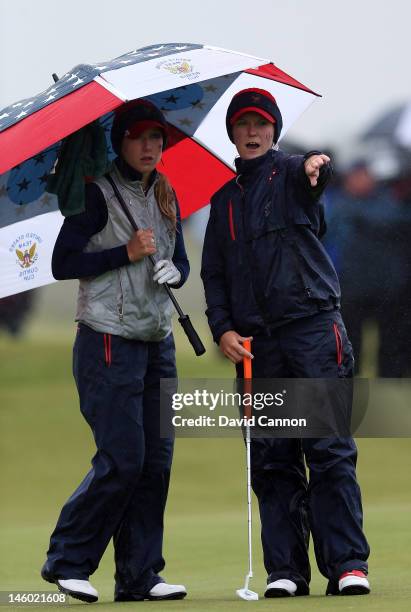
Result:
166,272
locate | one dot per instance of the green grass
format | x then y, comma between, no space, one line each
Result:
46,448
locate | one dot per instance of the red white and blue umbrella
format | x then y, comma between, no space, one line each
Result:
192,84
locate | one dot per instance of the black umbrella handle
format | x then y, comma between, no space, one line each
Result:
184,319
191,334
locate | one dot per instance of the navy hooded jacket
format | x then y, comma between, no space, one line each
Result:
263,263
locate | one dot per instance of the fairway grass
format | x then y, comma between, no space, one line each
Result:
207,552
46,448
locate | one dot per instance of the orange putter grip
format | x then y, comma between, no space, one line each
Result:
247,360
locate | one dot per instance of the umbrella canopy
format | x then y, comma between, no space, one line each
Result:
192,84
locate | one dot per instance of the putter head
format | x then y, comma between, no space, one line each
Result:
247,594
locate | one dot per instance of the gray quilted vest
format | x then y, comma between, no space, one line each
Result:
127,302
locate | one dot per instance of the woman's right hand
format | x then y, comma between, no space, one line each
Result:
141,244
231,345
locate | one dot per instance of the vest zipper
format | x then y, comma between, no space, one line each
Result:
153,291
120,305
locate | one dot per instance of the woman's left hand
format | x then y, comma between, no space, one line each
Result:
312,166
166,272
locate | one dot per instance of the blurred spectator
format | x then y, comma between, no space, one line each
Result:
402,312
369,240
14,310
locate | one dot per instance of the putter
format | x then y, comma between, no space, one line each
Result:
245,593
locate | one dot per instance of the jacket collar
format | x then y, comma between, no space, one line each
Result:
129,174
249,166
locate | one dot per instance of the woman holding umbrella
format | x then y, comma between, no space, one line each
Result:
267,275
124,345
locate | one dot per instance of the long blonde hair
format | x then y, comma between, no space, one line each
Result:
166,199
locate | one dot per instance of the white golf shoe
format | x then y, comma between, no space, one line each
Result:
281,588
162,590
79,589
354,582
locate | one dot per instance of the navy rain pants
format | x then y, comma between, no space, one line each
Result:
328,504
124,494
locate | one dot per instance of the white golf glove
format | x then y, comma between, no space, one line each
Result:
166,272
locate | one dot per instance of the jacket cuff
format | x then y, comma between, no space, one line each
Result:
325,174
220,329
310,153
118,257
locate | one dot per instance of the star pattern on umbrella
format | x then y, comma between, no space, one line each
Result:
188,105
44,177
82,75
185,121
39,158
28,106
46,200
145,54
23,185
197,104
171,99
